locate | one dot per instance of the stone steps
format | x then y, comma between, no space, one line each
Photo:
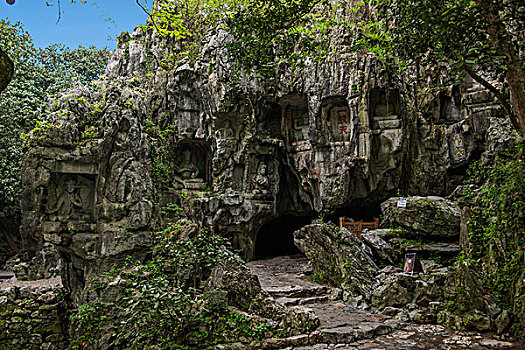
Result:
304,301
343,327
298,291
5,275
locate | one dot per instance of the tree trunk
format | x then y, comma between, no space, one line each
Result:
516,80
6,70
502,34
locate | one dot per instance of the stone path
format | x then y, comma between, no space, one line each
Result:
344,327
32,284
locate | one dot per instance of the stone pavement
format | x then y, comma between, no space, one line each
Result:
344,327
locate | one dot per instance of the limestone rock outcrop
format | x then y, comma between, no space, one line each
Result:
382,250
233,152
338,257
422,217
470,307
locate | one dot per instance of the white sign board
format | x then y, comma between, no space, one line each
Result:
402,203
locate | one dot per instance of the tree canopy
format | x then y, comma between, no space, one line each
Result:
39,74
6,69
475,37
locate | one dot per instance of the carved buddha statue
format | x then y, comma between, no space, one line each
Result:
187,169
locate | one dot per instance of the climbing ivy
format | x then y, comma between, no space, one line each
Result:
185,23
497,226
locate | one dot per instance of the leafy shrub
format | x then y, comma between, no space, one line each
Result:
497,226
162,302
39,75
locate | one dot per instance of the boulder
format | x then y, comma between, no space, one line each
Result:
383,251
423,217
468,306
338,257
417,297
242,290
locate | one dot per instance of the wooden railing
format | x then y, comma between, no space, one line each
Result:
357,227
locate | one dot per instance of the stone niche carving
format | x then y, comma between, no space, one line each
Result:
295,111
338,119
71,193
226,130
450,111
384,109
269,124
260,184
191,167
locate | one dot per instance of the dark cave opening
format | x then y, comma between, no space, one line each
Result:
275,238
360,210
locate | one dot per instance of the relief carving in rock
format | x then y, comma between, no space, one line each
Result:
70,198
384,107
191,166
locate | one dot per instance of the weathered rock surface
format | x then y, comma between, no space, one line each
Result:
470,307
33,315
9,233
383,252
415,297
337,256
423,217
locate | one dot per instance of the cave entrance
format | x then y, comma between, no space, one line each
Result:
275,238
360,210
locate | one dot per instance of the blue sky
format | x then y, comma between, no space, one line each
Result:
79,24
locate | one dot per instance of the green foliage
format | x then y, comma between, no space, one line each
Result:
496,227
187,22
269,33
39,75
162,152
163,303
444,31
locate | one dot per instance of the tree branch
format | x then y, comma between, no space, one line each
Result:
149,15
499,95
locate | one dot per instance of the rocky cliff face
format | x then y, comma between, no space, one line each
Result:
236,152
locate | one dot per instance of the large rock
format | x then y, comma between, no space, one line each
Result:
243,290
423,217
337,256
232,152
417,297
468,305
383,251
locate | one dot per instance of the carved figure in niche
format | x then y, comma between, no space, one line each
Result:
187,169
260,182
68,199
226,132
261,178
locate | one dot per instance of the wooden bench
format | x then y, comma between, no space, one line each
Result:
357,227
